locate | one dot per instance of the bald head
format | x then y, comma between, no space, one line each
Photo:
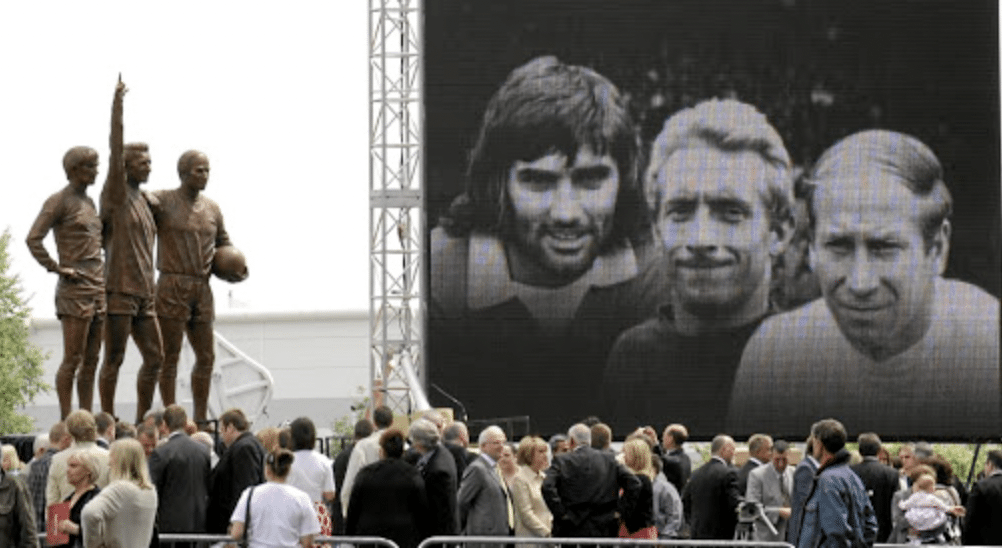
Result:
722,446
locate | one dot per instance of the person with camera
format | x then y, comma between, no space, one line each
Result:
769,487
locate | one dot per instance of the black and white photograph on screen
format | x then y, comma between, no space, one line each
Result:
741,216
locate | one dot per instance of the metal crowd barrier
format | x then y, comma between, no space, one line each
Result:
169,540
433,542
561,541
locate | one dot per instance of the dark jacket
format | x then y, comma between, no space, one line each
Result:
710,500
17,520
803,480
881,482
638,513
340,467
838,511
983,525
523,368
676,467
743,472
180,471
441,484
581,489
240,466
461,455
388,500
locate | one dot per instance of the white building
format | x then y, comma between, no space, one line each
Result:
318,363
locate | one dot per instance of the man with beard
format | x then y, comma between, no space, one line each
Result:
129,236
544,259
719,187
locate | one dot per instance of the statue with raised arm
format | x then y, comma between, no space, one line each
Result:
129,236
190,230
80,301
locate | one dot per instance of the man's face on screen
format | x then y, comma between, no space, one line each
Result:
875,269
715,228
562,213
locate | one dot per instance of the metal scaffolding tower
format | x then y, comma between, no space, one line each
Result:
395,198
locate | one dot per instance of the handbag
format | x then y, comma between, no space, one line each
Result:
245,542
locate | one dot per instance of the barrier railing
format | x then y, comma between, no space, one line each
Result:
168,540
452,541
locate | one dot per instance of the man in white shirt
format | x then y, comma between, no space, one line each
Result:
80,424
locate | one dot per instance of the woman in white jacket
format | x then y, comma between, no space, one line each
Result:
532,516
123,513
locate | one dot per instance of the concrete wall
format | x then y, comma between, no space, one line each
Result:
319,362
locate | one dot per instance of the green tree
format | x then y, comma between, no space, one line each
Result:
20,360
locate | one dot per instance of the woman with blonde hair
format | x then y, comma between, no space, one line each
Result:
123,513
82,471
10,461
638,518
532,516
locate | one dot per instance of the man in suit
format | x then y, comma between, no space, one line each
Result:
601,438
239,467
105,424
711,497
485,508
179,469
880,480
582,487
984,505
676,465
456,438
770,485
438,470
803,479
759,453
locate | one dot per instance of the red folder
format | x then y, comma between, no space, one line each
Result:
54,514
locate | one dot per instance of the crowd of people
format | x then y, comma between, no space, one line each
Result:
276,488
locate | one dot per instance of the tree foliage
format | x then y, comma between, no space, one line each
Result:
20,360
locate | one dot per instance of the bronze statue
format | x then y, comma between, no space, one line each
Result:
129,235
189,230
80,298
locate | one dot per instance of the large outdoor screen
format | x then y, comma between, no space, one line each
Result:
723,271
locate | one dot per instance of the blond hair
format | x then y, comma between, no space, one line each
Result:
88,459
81,425
730,126
128,462
637,457
925,482
527,448
10,455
